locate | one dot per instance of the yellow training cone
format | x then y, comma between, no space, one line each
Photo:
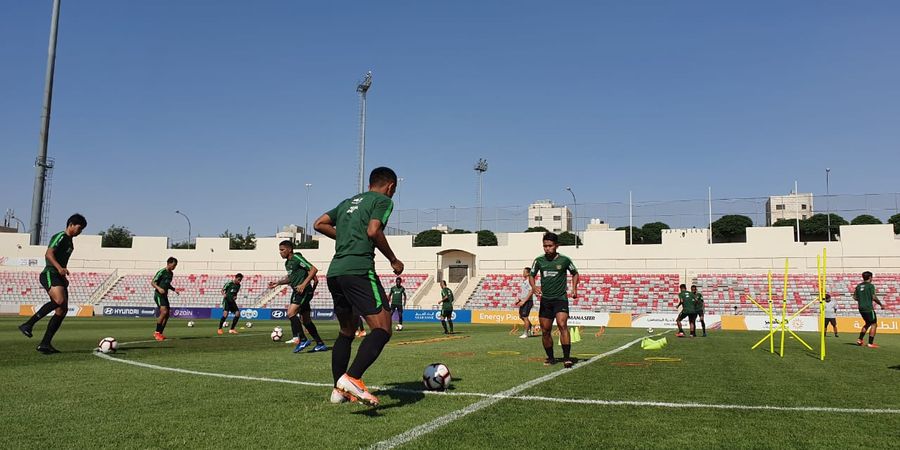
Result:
653,344
576,334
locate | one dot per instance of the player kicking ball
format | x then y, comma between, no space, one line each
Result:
553,268
229,303
301,277
54,279
162,284
357,226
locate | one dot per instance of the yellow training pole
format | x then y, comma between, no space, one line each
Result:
771,318
784,304
768,311
823,285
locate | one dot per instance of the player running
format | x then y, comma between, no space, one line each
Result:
552,267
686,301
357,225
698,306
398,301
525,301
446,307
301,277
162,284
864,294
229,303
54,279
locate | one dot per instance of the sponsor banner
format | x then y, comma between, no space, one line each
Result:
128,311
323,314
246,313
576,317
190,313
9,308
588,319
27,262
761,323
664,321
499,316
889,325
74,310
434,315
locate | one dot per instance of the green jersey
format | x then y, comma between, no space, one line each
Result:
297,268
687,302
397,293
354,252
446,299
61,243
698,302
554,282
163,279
865,293
231,291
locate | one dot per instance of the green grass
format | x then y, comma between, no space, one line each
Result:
77,400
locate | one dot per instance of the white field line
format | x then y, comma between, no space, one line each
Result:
421,430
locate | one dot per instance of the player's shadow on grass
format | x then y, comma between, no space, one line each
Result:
897,367
403,393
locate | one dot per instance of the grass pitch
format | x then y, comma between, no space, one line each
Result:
243,391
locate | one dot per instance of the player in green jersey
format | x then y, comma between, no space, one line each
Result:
162,285
398,301
446,307
54,279
357,226
301,277
698,306
229,303
552,267
686,301
864,294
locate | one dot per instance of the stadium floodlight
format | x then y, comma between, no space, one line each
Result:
189,225
827,205
480,167
362,89
306,226
575,210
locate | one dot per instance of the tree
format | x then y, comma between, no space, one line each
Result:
895,219
815,228
487,238
536,230
310,244
567,238
184,245
428,238
116,237
731,228
635,231
652,232
865,219
460,231
239,241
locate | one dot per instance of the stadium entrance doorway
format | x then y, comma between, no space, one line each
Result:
455,265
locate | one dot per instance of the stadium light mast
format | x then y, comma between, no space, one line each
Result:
306,226
480,167
40,163
362,88
189,225
827,205
575,208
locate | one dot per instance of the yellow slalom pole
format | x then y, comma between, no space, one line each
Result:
771,318
784,304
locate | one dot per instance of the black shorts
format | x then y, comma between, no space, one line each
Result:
52,279
397,308
230,306
161,300
831,320
869,316
525,309
700,313
681,316
447,314
303,299
550,307
357,294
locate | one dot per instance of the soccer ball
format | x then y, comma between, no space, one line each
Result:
249,325
190,324
436,377
650,330
107,345
398,327
277,333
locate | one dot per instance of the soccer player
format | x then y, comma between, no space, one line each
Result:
54,280
446,307
831,314
357,225
686,301
301,277
552,267
698,306
525,302
162,284
398,301
229,303
864,294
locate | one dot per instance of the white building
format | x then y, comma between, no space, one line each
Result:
543,213
791,206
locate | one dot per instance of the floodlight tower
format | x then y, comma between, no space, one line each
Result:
480,167
362,88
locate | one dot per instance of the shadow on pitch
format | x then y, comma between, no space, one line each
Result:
402,394
897,367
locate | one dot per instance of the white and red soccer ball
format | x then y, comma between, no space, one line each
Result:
436,377
107,345
277,333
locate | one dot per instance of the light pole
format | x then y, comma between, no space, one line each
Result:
189,225
575,211
306,226
454,215
827,205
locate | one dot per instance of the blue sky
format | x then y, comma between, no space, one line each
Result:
224,109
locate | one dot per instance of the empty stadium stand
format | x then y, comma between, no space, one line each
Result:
23,287
197,290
